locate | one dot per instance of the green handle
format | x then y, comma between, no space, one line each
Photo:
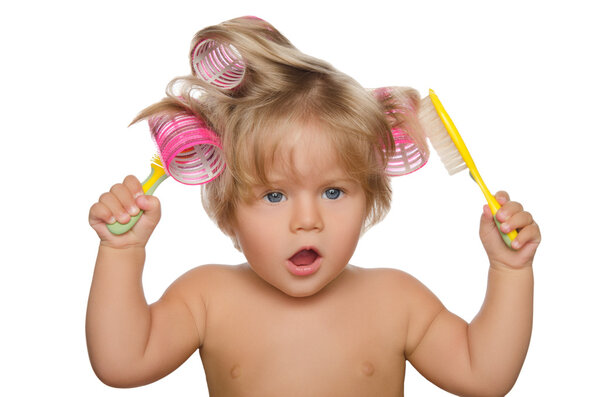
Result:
505,237
120,228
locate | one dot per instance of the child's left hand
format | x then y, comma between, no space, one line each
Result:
511,217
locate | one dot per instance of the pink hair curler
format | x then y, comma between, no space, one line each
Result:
220,63
190,152
217,63
408,155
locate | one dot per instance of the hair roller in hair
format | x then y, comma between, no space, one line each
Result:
410,153
407,158
190,152
217,63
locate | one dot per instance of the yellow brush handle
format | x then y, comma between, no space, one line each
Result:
495,206
464,152
157,175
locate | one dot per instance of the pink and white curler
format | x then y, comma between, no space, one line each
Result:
190,152
408,155
407,158
217,63
187,150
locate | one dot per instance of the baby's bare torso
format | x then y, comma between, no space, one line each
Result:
348,340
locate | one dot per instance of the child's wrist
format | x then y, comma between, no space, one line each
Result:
133,251
506,268
121,243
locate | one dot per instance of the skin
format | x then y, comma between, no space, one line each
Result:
262,331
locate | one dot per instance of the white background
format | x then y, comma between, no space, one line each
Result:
520,79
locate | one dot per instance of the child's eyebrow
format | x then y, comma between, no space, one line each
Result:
342,180
333,180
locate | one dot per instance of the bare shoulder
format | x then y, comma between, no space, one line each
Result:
205,278
393,281
212,273
398,287
404,292
198,286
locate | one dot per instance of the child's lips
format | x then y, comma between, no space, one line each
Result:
304,262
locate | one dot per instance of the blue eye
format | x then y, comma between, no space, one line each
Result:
274,197
332,194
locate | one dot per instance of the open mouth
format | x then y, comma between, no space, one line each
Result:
304,262
304,257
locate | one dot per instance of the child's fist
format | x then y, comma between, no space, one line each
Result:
123,201
511,217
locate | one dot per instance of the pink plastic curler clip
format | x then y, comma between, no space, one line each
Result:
217,63
190,152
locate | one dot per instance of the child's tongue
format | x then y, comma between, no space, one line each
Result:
304,257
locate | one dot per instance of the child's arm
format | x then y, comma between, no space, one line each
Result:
129,342
484,357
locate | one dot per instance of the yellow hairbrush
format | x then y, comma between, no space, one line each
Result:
454,153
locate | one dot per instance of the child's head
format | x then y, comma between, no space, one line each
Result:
283,88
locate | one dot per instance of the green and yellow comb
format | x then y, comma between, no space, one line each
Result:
454,153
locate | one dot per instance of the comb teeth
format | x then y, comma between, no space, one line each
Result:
439,138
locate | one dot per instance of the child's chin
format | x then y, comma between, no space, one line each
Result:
300,291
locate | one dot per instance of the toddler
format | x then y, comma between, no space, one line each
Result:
306,149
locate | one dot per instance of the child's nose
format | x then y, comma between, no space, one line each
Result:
306,215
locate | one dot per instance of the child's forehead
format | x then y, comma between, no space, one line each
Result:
299,151
304,149
313,171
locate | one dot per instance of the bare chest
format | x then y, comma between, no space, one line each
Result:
342,349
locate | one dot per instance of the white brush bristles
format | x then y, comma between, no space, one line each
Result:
439,137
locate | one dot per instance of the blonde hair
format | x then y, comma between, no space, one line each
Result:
282,85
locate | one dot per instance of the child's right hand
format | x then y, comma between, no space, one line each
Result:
119,204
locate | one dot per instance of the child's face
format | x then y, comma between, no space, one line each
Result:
299,233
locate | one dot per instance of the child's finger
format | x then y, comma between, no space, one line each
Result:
115,206
125,196
507,210
528,234
134,185
100,212
151,207
516,222
502,197
487,212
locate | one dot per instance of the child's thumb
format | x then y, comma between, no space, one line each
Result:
151,207
487,226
